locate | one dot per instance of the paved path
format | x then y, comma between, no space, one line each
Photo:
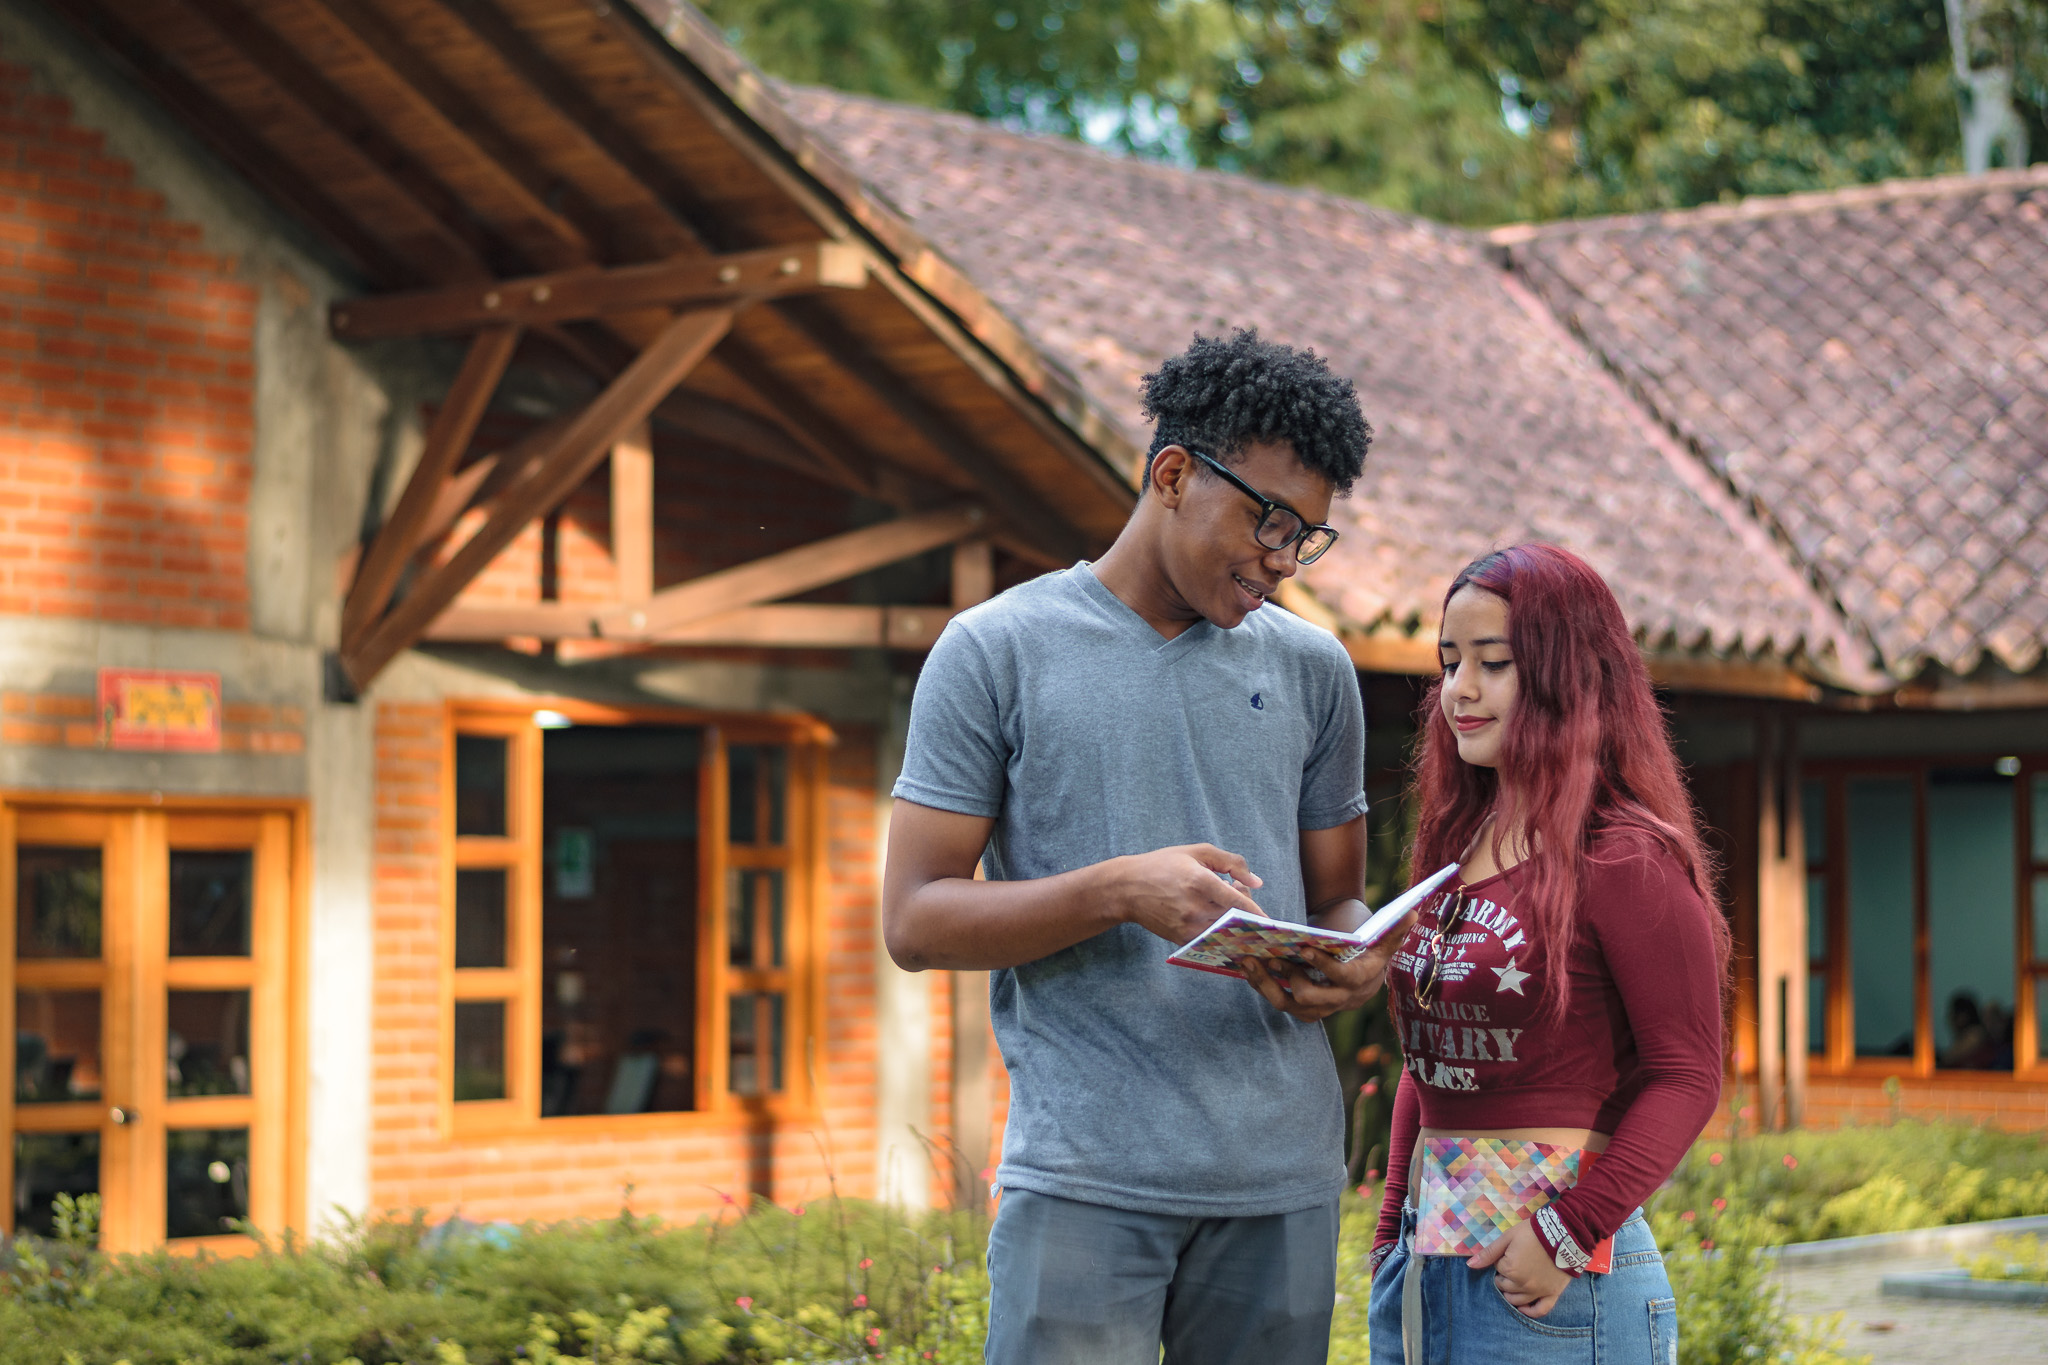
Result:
1914,1331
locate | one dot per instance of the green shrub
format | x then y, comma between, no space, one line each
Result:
1807,1186
2010,1258
845,1280
838,1281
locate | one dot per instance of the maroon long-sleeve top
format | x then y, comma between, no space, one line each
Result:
1636,1055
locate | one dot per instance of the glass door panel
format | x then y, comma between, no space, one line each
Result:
147,996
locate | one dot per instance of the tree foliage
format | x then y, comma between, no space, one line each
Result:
1468,110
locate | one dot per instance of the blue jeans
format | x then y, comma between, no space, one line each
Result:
1084,1284
1627,1317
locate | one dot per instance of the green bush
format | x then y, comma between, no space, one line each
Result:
844,1280
1805,1186
2011,1258
838,1281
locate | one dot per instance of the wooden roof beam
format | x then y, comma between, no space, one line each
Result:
552,204
797,437
790,572
595,124
1033,530
468,241
229,135
447,438
573,295
1021,508
780,625
554,473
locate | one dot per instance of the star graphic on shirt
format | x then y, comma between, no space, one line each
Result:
1510,979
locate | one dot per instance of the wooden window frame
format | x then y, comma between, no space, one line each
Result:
278,961
2030,973
2032,957
802,857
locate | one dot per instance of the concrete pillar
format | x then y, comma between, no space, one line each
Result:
1781,951
903,1013
340,933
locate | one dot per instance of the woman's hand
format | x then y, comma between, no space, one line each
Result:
1523,1270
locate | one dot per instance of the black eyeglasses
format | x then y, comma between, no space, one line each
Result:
1430,972
1279,525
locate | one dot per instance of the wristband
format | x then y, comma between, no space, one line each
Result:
1565,1251
1378,1256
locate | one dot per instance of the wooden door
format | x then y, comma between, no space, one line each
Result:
147,958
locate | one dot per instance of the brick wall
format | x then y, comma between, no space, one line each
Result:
126,406
680,1172
1839,1101
67,720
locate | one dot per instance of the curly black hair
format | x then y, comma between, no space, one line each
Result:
1220,395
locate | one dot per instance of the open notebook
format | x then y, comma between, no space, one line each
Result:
1238,935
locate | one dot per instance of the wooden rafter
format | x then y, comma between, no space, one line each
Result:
1045,536
780,625
798,437
466,240
569,102
555,206
230,135
550,477
673,614
447,438
570,295
791,572
1023,508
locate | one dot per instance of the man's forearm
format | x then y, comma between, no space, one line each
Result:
1343,916
959,924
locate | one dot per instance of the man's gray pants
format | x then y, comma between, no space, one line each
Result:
1084,1284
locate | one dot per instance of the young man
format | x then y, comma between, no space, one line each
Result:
1130,748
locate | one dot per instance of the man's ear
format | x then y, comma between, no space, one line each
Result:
1171,469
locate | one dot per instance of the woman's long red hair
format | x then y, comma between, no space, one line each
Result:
1586,755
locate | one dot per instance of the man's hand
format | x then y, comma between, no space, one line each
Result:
1178,892
1288,988
1523,1270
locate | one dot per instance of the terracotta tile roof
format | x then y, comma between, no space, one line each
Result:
1869,368
1493,425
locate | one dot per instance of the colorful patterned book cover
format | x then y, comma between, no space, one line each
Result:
1472,1192
1237,935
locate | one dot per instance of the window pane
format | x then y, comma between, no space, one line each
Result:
758,780
754,918
2041,917
754,1065
57,901
1881,874
206,1047
619,919
1817,1012
56,1046
2041,817
210,900
47,1165
480,917
479,1050
1970,902
480,785
1813,820
1817,918
206,1181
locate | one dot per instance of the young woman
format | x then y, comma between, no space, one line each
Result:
1560,1007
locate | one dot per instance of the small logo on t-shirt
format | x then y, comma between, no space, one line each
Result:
1257,705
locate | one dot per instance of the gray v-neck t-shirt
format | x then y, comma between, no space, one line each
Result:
1059,712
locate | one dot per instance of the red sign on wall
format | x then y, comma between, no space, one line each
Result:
151,708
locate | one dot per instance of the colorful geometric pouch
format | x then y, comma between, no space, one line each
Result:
1472,1190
